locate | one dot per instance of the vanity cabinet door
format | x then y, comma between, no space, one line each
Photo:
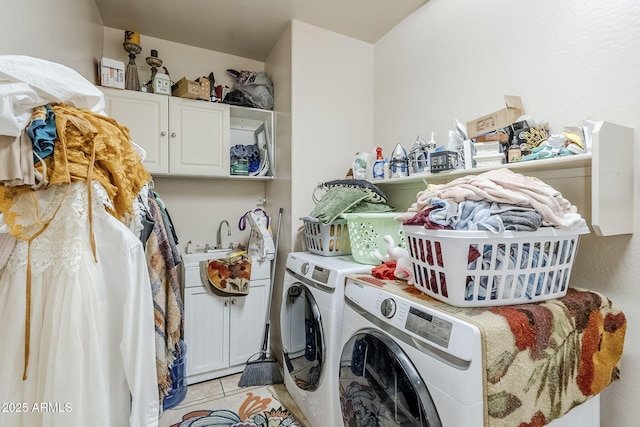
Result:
248,316
206,333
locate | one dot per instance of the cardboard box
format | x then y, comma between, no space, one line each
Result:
192,89
498,119
111,73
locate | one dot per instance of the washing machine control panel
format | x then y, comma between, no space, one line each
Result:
428,326
388,308
314,272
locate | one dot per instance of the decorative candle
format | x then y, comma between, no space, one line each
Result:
132,37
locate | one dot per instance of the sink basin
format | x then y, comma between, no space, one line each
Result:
201,255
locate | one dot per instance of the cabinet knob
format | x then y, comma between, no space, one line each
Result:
226,303
233,301
163,133
173,134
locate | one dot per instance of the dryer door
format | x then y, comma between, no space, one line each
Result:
302,337
379,386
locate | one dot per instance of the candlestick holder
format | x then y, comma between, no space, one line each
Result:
131,79
154,62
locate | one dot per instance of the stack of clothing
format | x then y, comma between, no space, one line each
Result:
349,196
495,201
87,255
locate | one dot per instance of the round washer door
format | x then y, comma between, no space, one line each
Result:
380,386
302,337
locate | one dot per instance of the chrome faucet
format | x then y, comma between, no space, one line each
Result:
219,237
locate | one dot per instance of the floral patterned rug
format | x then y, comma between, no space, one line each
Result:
255,408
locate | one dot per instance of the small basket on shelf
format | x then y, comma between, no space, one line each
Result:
483,269
326,239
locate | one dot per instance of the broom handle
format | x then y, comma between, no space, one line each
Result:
265,340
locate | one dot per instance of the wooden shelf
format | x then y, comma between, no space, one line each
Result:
580,161
609,167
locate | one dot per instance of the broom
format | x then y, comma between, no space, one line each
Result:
260,368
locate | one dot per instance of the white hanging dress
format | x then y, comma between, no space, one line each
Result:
91,353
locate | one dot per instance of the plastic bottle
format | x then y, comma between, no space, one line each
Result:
431,147
387,169
378,165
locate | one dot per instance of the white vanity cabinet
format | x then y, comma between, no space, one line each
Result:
222,332
182,137
186,137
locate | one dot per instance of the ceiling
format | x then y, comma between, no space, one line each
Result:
250,28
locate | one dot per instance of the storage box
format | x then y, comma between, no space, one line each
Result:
192,89
327,239
487,148
498,119
366,234
482,269
111,73
488,160
162,84
443,161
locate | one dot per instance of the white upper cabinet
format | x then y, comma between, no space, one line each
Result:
147,118
185,137
198,138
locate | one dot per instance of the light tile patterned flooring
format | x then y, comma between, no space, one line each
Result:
227,386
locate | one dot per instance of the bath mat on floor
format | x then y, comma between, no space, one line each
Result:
255,408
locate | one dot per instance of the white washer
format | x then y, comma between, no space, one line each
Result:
405,363
311,322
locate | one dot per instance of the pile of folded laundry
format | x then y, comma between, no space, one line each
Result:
495,201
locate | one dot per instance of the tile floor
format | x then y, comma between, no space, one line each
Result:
227,386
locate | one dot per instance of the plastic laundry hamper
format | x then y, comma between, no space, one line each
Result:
367,231
327,239
481,269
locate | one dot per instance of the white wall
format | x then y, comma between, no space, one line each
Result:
567,60
181,60
68,32
278,191
332,108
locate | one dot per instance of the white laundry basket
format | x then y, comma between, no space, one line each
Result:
481,269
367,232
327,239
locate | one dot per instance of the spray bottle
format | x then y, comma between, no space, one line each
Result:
378,165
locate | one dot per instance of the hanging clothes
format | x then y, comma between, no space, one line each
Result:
91,345
76,304
167,298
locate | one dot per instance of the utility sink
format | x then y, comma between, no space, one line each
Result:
201,255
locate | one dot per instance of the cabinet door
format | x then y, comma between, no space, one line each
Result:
248,316
147,117
199,142
206,327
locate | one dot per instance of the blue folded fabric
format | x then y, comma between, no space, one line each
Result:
42,132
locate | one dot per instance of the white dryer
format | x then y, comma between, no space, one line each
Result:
311,322
407,364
